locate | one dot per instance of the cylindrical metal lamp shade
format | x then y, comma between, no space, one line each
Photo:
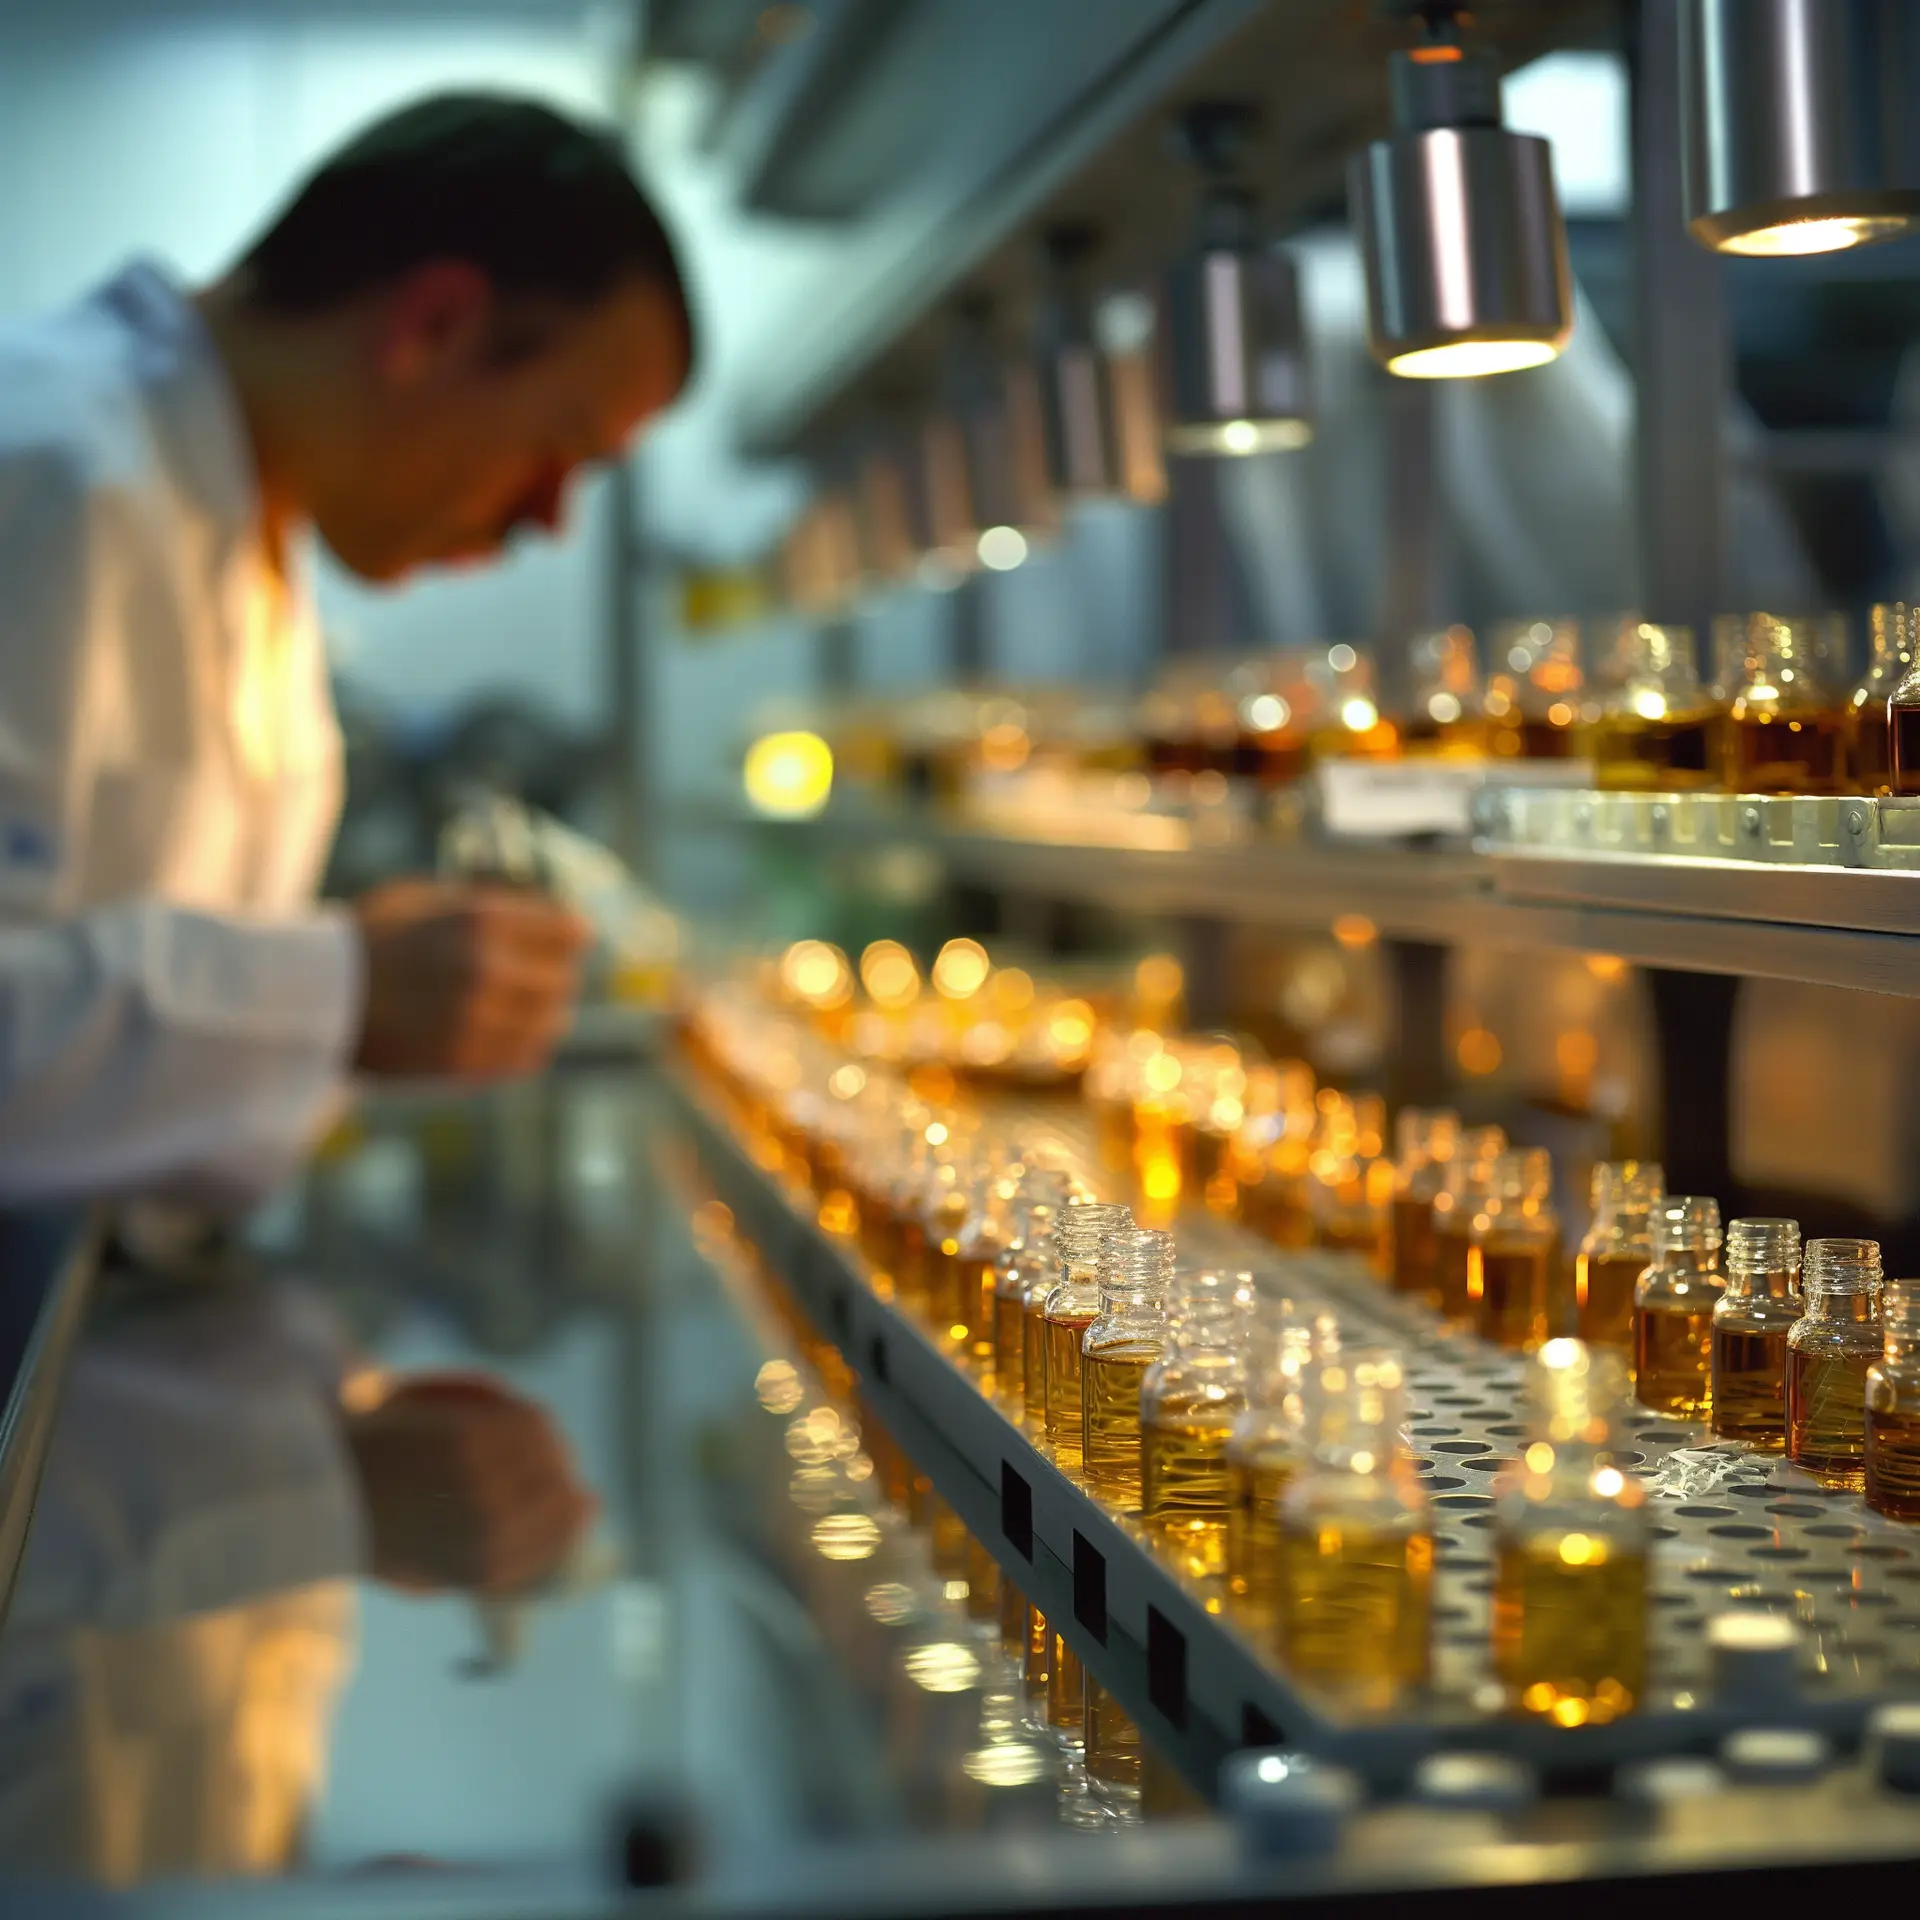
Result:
1466,256
1800,131
1234,354
1078,417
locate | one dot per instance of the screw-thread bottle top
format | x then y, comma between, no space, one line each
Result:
1841,1267
1757,1249
1083,1231
1573,1390
1136,1261
1211,1309
1627,1186
1900,1317
1423,1135
1686,1223
1356,1406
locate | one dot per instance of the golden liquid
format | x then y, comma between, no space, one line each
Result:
910,1265
1009,1349
1672,1361
943,1263
1353,1233
1013,1620
1063,1384
1113,1741
1903,725
1603,1286
1750,1387
1778,753
1827,1415
1256,1480
1113,1135
1033,1360
1541,739
1570,1637
1414,1252
1066,1689
1452,1250
1355,1604
972,1308
1870,748
1110,1419
1507,1283
1036,1661
1646,756
1183,1485
1893,1464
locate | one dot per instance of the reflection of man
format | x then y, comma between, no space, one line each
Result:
455,314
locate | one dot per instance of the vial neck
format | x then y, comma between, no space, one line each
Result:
1684,1262
1858,1306
1779,1284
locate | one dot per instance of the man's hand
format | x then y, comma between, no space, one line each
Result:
467,1486
474,982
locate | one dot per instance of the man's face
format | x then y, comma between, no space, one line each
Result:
478,413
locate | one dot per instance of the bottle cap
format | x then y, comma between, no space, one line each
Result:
1775,1756
1893,1745
1652,1784
1475,1782
1285,1805
1754,1655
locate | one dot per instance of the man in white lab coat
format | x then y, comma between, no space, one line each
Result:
453,315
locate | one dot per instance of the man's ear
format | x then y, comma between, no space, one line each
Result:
436,321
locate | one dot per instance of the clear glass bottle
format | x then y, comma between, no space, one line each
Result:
1267,1448
1513,1246
1570,1543
1446,713
1829,1351
1468,1175
983,1231
1113,1747
1750,1327
1356,1542
1673,1307
1072,1304
1190,1401
1892,633
1655,728
1347,723
1535,685
1026,1261
1119,1345
1033,1307
1786,724
1618,1249
1893,1406
1350,1184
1903,733
1427,1138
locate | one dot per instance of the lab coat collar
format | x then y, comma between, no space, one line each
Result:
198,426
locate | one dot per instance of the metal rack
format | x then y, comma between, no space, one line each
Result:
1763,1535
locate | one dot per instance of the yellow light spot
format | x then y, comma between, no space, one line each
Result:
1472,359
1831,234
845,1536
1363,1462
1478,1051
943,1666
1570,1713
1576,1052
891,1603
1161,1074
1609,1483
1355,930
817,973
1239,437
1649,703
1539,1458
960,969
1560,714
1070,1026
845,1083
1606,966
1159,979
788,776
1013,990
1581,1550
1539,1697
1008,1765
1002,548
888,973
1359,714
838,1214
1004,748
1160,1178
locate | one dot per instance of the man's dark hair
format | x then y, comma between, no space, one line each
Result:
544,207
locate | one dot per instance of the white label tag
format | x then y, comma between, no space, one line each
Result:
1383,798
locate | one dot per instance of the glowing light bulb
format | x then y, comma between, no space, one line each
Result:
1472,359
788,776
1002,548
1822,234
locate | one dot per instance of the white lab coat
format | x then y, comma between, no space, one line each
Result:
175,1011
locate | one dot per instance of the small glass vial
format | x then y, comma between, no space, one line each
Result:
1190,1401
1618,1249
1053,1348
1028,1260
1892,631
1534,688
1786,723
1445,712
1113,1747
1266,1450
969,1269
1469,1174
1356,1542
1427,1138
1655,729
1829,1351
1673,1309
1570,1533
1750,1328
1123,1340
1513,1245
1347,722
1903,733
1893,1407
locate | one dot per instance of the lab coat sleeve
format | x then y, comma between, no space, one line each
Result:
142,1044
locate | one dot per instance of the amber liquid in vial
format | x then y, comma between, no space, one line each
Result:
1354,1609
910,1265
1903,728
1870,749
1671,1360
1256,1480
1110,1420
1183,1486
1033,1361
1507,1285
972,1308
1645,756
1827,1415
1113,1741
1036,1663
1750,1388
1064,1417
1893,1464
1066,1689
1540,739
1009,1349
1603,1286
1570,1634
1779,753
1452,1262
1013,1620
1414,1252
